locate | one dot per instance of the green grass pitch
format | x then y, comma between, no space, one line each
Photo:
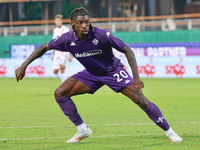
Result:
31,119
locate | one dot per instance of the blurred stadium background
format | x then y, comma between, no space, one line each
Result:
164,34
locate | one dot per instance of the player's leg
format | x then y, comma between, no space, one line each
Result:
62,73
71,87
80,83
62,68
151,110
63,93
55,71
56,66
62,64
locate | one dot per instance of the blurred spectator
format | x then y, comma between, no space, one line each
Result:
60,58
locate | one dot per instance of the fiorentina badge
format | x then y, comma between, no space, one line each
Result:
95,41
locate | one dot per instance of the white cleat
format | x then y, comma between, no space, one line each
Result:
174,137
80,135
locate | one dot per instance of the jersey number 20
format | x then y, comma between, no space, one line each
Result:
122,74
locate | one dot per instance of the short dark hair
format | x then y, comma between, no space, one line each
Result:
58,16
78,12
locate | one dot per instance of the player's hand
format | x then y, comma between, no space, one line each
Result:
19,73
138,84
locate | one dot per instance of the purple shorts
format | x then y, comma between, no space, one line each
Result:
116,80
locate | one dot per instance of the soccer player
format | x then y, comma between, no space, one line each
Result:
60,58
92,47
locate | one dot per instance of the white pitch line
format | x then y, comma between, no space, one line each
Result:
107,124
35,127
100,136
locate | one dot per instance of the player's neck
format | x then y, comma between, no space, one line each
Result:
60,26
81,37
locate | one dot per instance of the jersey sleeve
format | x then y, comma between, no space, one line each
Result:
115,42
58,43
109,39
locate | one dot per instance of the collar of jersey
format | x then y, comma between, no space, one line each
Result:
88,37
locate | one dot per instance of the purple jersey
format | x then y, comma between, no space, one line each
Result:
95,53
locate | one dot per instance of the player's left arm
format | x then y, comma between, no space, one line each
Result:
20,72
118,44
133,64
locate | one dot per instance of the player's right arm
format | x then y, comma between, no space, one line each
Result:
20,72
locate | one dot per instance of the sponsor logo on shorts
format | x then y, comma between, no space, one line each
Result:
89,53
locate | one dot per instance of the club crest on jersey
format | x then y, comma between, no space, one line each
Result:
95,41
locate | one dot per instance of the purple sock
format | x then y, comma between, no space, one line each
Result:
155,114
69,109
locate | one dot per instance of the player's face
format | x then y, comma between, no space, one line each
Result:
58,22
81,26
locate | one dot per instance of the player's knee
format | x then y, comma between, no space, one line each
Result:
62,92
62,71
142,102
55,71
58,93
